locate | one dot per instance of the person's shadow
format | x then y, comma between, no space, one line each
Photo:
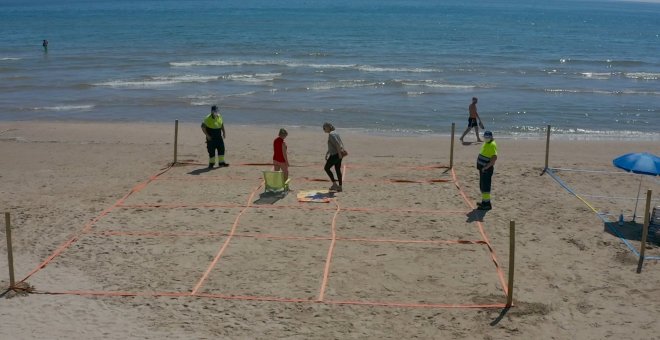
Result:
476,215
200,171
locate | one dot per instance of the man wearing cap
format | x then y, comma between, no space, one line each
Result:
486,166
214,129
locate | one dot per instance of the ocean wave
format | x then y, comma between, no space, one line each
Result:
255,63
432,84
214,63
207,100
342,84
526,129
295,64
608,62
592,91
597,75
253,78
321,66
367,68
201,100
159,81
643,75
65,108
9,59
242,94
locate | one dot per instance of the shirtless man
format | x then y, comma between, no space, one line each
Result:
472,120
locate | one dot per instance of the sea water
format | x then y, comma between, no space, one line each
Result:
588,68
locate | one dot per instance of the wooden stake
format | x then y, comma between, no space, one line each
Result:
512,256
176,139
547,148
645,231
451,151
10,254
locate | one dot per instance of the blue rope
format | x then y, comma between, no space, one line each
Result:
608,223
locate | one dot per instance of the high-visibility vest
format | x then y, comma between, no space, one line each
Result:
213,123
488,150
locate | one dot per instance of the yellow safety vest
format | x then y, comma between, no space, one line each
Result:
488,150
213,123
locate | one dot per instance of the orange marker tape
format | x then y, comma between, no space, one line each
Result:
500,273
225,244
328,259
90,224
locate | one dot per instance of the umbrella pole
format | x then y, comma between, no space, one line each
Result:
637,200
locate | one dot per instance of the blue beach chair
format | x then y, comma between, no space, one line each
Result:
274,182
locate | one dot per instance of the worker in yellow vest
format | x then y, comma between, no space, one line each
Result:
486,166
214,130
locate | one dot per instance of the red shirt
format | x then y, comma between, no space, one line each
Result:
278,155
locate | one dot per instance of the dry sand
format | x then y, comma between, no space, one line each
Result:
574,279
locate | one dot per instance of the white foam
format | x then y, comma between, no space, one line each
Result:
242,94
9,59
295,64
433,84
621,92
253,78
337,66
341,84
159,81
207,100
65,108
597,75
643,75
206,63
367,68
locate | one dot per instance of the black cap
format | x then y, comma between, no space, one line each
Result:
214,108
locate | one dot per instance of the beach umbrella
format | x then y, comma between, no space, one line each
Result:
642,163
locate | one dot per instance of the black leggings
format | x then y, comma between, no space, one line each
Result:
335,161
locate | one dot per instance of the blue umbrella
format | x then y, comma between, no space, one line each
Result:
642,163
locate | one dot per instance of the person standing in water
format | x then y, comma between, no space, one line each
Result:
45,45
474,121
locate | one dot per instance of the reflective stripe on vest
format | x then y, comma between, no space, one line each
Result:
482,161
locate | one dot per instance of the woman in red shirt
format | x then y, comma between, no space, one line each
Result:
280,158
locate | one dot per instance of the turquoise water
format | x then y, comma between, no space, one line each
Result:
585,67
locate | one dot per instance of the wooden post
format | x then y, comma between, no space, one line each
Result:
176,139
547,148
645,231
451,151
512,256
10,254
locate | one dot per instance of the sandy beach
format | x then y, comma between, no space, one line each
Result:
399,254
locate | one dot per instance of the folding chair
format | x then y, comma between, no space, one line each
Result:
274,181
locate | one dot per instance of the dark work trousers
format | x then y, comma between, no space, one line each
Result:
213,145
335,161
485,179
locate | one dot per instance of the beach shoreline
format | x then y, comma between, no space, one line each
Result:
540,132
